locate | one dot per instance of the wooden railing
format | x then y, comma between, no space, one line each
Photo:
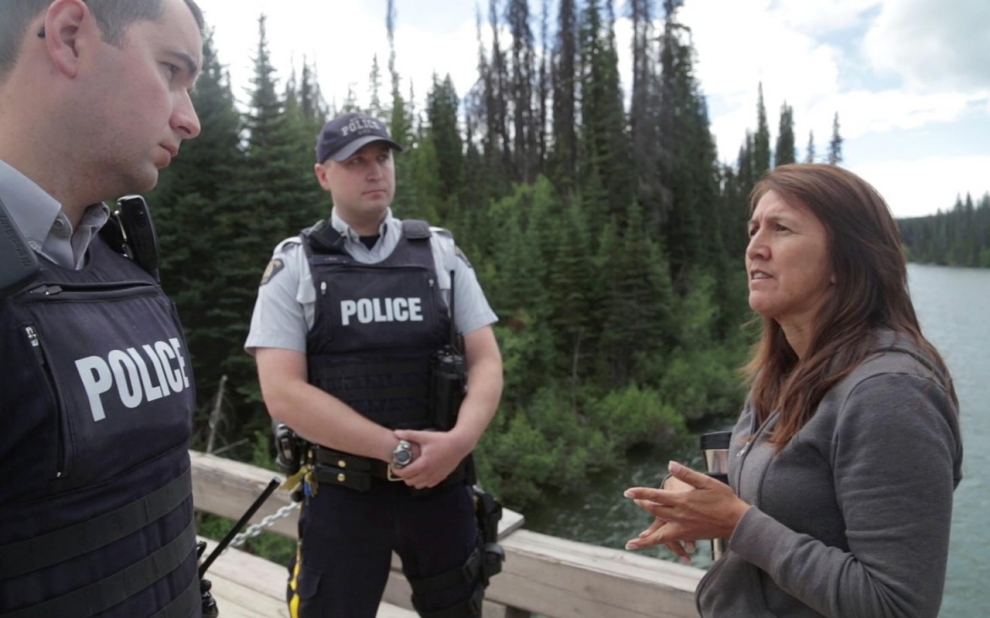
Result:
542,574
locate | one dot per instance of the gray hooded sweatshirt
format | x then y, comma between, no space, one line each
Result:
851,519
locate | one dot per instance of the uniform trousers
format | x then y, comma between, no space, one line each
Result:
347,538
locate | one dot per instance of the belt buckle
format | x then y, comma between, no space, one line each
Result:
391,475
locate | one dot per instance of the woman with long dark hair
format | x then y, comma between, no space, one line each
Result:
847,452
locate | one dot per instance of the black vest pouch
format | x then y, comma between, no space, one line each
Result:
376,329
98,373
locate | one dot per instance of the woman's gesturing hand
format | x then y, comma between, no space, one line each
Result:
695,506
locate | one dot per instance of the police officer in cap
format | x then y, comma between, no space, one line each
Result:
348,317
96,388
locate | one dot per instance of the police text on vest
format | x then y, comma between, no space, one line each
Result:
128,370
368,310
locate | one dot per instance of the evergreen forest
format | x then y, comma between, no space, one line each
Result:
606,232
959,237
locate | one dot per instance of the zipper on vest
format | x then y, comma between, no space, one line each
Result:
90,291
34,338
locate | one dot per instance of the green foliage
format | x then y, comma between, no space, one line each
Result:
835,144
785,151
761,141
958,237
557,442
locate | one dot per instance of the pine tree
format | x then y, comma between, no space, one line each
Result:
689,168
441,113
521,91
785,151
640,300
643,120
496,99
271,203
374,87
565,147
761,141
835,144
543,88
604,141
809,156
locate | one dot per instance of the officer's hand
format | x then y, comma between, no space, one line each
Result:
439,454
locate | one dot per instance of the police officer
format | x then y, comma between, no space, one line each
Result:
348,317
96,389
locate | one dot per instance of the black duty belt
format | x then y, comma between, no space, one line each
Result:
357,472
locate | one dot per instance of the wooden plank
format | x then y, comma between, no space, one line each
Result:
557,577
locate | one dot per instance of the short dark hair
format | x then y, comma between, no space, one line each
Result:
114,16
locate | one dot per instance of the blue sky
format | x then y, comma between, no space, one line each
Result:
910,79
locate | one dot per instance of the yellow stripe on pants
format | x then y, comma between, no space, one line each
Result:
293,584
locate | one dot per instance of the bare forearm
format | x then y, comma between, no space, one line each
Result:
326,420
484,390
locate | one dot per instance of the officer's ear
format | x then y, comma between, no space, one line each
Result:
322,170
69,31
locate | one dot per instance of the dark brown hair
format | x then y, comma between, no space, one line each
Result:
114,16
871,292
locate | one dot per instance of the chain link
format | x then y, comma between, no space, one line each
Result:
267,522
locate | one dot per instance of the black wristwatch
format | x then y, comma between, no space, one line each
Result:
402,455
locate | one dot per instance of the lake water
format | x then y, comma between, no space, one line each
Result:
953,306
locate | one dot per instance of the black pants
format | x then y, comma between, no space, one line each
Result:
346,543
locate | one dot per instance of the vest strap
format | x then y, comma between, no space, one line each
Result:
330,372
116,588
387,393
183,605
67,543
415,229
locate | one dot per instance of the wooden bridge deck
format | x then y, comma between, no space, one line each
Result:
542,574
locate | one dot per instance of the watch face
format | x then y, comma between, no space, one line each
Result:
402,455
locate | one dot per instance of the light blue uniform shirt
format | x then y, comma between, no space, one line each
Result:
41,221
285,309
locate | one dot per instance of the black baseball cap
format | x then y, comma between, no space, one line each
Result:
347,133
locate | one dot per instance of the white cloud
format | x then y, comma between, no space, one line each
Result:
343,53
935,45
741,43
818,17
920,187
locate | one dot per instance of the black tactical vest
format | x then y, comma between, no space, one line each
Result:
96,403
376,326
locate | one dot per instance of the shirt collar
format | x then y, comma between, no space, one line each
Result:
31,209
388,223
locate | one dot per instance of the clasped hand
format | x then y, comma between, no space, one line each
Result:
693,506
435,455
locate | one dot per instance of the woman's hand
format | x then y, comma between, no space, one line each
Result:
695,506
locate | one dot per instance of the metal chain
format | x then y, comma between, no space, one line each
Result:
267,522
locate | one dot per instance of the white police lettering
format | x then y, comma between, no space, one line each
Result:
370,310
128,370
360,124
